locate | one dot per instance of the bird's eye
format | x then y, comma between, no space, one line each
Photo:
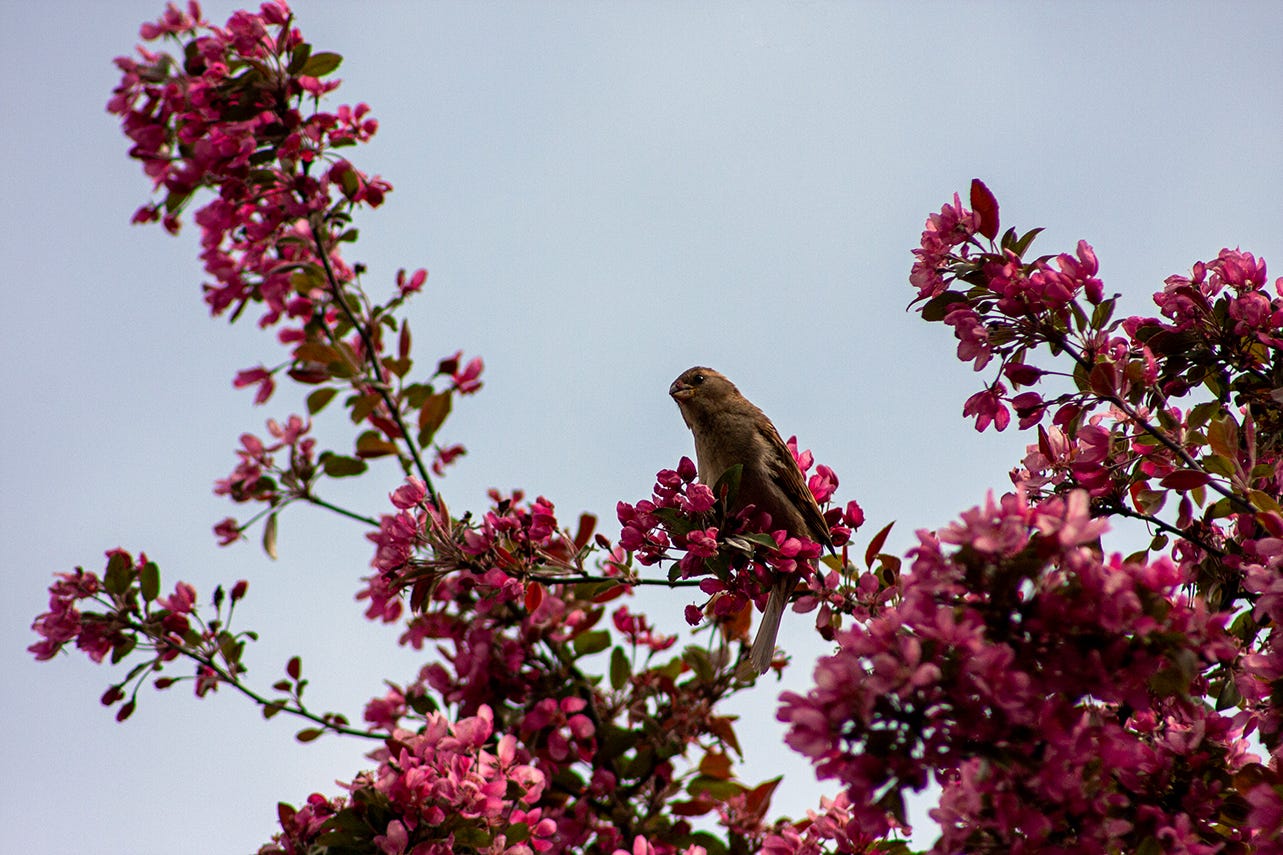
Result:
697,379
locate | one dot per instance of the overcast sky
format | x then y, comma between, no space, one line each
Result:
605,194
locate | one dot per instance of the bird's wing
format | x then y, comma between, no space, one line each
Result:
786,474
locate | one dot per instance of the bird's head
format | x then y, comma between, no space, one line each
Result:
699,389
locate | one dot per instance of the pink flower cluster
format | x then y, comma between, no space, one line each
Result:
639,632
561,730
451,785
257,476
64,623
953,226
1047,689
738,555
233,117
833,828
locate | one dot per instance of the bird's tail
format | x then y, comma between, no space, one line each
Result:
763,652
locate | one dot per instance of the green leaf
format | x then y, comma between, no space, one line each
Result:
620,670
307,278
937,307
338,466
1229,696
1222,436
720,790
728,486
701,664
321,64
150,583
1102,313
123,649
472,835
371,444
119,574
269,537
299,57
415,394
591,642
1218,465
318,399
362,406
1263,501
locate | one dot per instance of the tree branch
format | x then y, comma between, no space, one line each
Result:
380,386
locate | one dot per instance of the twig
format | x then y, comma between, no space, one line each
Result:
1235,499
381,386
321,503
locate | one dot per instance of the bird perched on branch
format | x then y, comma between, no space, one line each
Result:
730,430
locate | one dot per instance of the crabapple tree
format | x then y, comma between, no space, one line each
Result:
1063,697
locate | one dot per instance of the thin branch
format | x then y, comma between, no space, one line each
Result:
1123,511
576,580
381,386
292,709
1170,444
352,515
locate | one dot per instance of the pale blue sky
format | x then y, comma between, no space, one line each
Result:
605,194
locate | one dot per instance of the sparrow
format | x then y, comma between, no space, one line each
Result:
730,430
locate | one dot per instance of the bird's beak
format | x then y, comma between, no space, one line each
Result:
680,391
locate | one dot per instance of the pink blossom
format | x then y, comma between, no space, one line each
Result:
181,601
466,380
988,408
972,334
443,456
259,376
411,285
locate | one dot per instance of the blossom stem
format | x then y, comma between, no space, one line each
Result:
321,503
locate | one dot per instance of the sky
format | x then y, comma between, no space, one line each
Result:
604,194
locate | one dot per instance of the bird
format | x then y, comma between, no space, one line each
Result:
729,430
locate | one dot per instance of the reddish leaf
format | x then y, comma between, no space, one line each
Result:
1044,444
1271,521
370,444
434,412
739,623
694,807
716,765
1104,378
1185,479
610,593
759,798
389,427
875,545
403,345
587,522
294,667
314,351
723,728
534,596
986,206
